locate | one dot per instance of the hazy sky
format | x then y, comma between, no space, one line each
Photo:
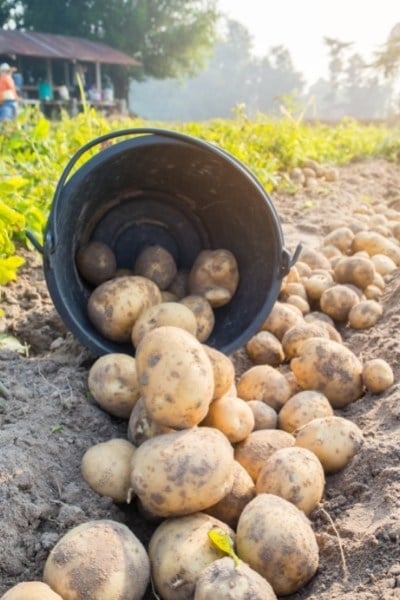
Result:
301,25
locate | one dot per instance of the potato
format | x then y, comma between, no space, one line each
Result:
214,275
141,427
317,315
230,507
182,472
365,314
341,238
356,270
314,258
252,452
337,302
295,336
31,590
203,313
375,243
223,370
175,376
281,318
180,550
232,416
334,440
377,375
96,262
106,467
97,560
317,284
295,474
302,408
276,539
265,416
299,303
114,306
157,264
167,296
265,383
384,265
179,284
265,349
224,579
330,368
292,289
303,269
166,313
373,292
330,251
113,383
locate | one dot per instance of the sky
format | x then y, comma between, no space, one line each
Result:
301,25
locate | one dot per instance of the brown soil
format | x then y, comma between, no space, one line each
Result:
48,420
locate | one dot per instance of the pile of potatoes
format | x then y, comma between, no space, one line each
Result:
241,458
126,303
311,173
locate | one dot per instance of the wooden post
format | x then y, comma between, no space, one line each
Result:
98,77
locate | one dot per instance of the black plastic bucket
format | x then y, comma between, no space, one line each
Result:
161,187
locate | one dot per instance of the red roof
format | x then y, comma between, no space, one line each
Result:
49,45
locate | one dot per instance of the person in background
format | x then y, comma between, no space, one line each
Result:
8,93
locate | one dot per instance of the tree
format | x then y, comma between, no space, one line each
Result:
171,38
388,59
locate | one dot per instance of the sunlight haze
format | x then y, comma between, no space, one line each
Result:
302,26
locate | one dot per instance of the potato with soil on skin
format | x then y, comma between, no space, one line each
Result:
377,375
302,408
292,289
157,264
113,383
141,427
176,378
330,368
281,318
31,590
356,270
214,275
179,284
166,313
223,578
337,302
265,349
276,539
182,472
203,313
265,417
314,258
295,336
97,560
230,507
316,284
334,440
223,370
341,238
375,243
252,452
365,314
179,550
232,416
96,262
114,306
265,383
295,474
106,467
299,303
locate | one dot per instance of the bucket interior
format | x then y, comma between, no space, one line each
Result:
186,197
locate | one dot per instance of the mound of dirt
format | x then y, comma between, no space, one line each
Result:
48,420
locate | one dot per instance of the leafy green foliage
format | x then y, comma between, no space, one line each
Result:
35,151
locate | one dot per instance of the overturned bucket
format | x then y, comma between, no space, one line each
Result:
165,188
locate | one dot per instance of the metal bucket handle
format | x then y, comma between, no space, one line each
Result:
287,260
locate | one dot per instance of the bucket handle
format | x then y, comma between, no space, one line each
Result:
50,237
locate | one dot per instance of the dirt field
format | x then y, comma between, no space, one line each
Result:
48,420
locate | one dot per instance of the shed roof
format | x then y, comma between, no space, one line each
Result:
49,45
